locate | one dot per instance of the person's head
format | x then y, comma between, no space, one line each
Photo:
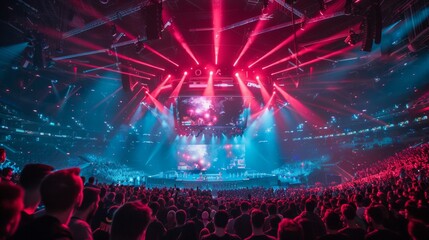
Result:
188,231
91,180
348,212
257,219
32,175
180,217
204,232
62,190
11,205
221,219
272,209
130,221
418,230
171,217
154,206
7,174
119,199
245,206
310,205
332,221
91,197
2,155
192,212
374,215
289,230
205,216
274,221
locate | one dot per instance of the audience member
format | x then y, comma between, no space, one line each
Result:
130,221
11,205
257,220
79,223
220,222
289,230
242,225
30,179
61,192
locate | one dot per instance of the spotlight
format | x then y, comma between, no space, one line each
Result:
211,73
257,77
186,73
113,30
139,47
348,7
352,38
322,7
236,74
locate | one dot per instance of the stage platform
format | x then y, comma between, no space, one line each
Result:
212,181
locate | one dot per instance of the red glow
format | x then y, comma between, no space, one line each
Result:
209,91
157,103
109,70
301,109
276,48
217,25
176,91
185,73
139,62
315,60
160,55
259,26
265,94
236,74
158,89
179,37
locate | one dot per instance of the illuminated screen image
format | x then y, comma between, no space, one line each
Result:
215,157
211,111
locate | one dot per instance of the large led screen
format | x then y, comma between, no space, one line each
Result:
215,157
211,111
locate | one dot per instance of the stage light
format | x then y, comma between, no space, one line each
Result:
185,73
113,30
139,47
169,76
257,77
211,73
236,74
322,7
352,38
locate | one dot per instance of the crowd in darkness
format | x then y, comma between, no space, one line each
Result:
389,201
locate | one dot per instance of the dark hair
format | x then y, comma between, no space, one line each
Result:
221,219
245,206
257,218
5,171
192,212
418,230
60,190
91,180
32,175
376,214
188,232
130,221
310,205
274,221
333,221
11,204
290,230
348,211
180,217
155,207
90,196
119,198
272,209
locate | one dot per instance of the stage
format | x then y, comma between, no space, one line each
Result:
212,181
